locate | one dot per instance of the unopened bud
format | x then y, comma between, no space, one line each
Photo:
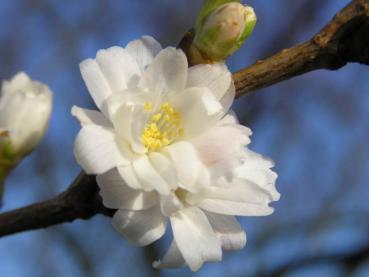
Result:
25,107
223,29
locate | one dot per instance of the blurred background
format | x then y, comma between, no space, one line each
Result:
315,127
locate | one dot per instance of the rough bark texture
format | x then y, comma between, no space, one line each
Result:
345,39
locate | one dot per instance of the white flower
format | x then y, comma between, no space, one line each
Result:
165,148
25,107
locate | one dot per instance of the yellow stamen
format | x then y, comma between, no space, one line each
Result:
148,106
163,127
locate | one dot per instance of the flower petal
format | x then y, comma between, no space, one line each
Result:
170,204
165,168
228,231
185,162
117,195
215,77
227,207
87,117
148,176
228,98
130,178
195,238
111,69
199,110
140,227
172,259
167,73
95,81
143,50
256,169
226,139
97,151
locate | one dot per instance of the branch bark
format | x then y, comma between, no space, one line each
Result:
350,260
342,40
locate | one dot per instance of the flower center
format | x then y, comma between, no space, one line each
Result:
163,127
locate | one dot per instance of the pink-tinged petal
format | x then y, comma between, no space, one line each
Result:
195,238
97,151
228,231
140,227
117,195
143,51
226,139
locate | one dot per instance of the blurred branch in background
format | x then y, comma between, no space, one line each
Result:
342,40
348,260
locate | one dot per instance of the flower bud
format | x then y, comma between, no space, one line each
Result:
221,30
25,108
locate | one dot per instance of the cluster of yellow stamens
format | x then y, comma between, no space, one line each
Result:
163,127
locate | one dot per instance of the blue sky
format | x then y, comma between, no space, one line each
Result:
315,127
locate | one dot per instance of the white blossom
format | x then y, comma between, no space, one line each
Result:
25,107
166,149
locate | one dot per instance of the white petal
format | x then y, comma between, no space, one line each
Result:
96,150
140,227
226,139
167,73
215,77
130,71
228,231
235,208
143,50
148,176
195,238
129,122
228,98
240,191
87,117
172,259
165,168
112,70
95,81
199,110
256,169
117,195
170,204
130,178
186,163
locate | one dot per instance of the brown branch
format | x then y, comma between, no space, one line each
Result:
80,201
343,40
350,261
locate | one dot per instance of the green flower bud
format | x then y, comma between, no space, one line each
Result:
222,27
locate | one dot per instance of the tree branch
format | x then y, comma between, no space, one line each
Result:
343,40
350,260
